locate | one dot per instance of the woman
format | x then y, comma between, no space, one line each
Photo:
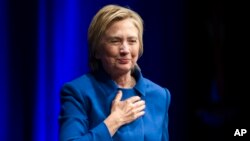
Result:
114,102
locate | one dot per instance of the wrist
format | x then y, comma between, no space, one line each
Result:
112,124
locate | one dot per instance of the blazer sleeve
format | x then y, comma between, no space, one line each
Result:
165,133
73,118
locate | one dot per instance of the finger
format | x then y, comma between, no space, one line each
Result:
132,110
132,117
139,103
140,114
128,106
133,99
118,96
136,110
140,108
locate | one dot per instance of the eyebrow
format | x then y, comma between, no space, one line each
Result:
119,37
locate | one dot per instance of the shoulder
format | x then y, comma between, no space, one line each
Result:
150,85
78,84
153,88
79,81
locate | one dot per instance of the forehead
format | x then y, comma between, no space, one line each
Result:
126,26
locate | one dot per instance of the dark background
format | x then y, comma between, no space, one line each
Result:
197,49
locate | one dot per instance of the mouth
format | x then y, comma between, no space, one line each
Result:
123,60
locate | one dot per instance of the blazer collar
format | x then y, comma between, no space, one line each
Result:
111,87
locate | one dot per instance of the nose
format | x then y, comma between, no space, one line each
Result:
124,48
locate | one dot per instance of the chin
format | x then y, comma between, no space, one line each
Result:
124,68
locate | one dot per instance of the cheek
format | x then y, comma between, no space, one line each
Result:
135,55
135,52
109,56
106,59
111,52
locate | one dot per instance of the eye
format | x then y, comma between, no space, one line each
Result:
132,41
114,41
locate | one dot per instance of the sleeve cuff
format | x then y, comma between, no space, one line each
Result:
101,132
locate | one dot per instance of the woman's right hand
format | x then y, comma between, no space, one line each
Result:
123,112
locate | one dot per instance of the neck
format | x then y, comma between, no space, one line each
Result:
125,81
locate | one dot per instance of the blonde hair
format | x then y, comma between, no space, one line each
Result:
103,19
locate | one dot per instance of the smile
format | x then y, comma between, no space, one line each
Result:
123,61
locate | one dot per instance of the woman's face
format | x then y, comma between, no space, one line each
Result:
119,47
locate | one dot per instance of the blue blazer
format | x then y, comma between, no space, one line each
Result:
86,103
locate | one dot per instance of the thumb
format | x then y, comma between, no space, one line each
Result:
118,96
